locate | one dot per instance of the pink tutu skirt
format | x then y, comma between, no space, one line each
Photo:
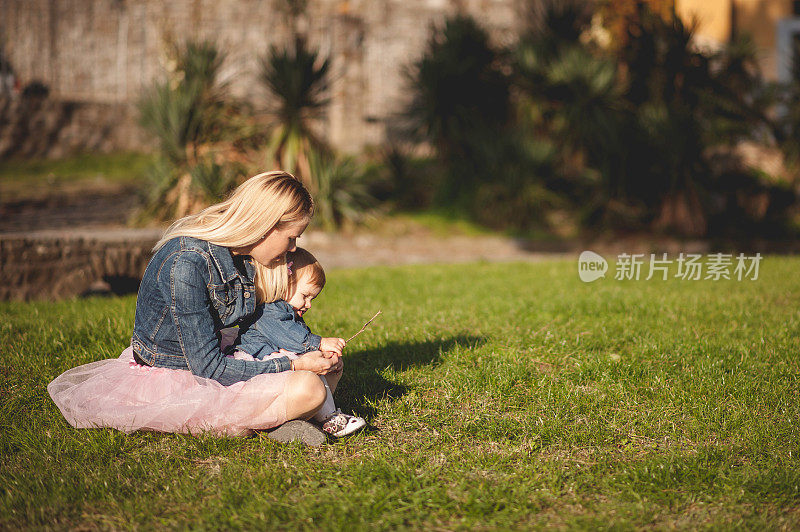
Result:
121,394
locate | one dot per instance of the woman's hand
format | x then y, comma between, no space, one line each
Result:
319,362
332,344
337,368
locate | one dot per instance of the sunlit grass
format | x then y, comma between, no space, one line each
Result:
32,177
498,395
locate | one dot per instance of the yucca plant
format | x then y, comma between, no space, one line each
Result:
577,94
685,104
497,169
670,87
460,104
571,94
645,126
172,117
212,180
458,86
738,99
786,126
187,108
342,195
297,79
189,115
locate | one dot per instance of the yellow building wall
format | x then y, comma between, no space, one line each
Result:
759,18
721,20
713,19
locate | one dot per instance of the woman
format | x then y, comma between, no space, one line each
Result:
208,272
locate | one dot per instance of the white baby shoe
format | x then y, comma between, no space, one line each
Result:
341,424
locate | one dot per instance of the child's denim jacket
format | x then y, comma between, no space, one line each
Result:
191,290
275,326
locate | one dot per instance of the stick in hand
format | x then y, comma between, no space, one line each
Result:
364,327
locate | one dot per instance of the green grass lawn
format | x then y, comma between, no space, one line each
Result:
33,178
498,396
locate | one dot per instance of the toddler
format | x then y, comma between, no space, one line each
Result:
279,326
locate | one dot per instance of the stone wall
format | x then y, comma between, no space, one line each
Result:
108,51
56,265
47,127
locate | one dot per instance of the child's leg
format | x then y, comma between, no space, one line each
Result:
333,380
328,407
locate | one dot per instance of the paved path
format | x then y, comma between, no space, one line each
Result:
336,250
345,251
341,250
99,215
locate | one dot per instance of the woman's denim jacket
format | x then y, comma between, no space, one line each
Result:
276,326
191,290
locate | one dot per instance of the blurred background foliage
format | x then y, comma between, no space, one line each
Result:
297,81
564,132
196,125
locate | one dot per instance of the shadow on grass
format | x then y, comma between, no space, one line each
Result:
364,384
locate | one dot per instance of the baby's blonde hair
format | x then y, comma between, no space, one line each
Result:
262,203
304,265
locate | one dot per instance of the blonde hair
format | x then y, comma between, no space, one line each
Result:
262,203
304,265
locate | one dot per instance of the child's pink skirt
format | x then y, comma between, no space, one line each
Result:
121,394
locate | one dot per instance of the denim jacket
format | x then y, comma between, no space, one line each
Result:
276,326
191,290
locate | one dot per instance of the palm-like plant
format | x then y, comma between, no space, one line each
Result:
673,99
342,194
459,88
188,114
787,125
738,99
460,104
186,110
578,93
572,95
297,79
682,102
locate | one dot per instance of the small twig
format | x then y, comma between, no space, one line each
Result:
364,327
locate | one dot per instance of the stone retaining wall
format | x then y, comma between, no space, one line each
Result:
65,263
47,127
51,265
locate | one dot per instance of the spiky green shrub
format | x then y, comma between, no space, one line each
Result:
461,105
460,101
683,103
297,80
194,123
645,121
459,86
571,96
187,108
342,194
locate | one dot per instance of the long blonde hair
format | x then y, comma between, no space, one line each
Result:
262,203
